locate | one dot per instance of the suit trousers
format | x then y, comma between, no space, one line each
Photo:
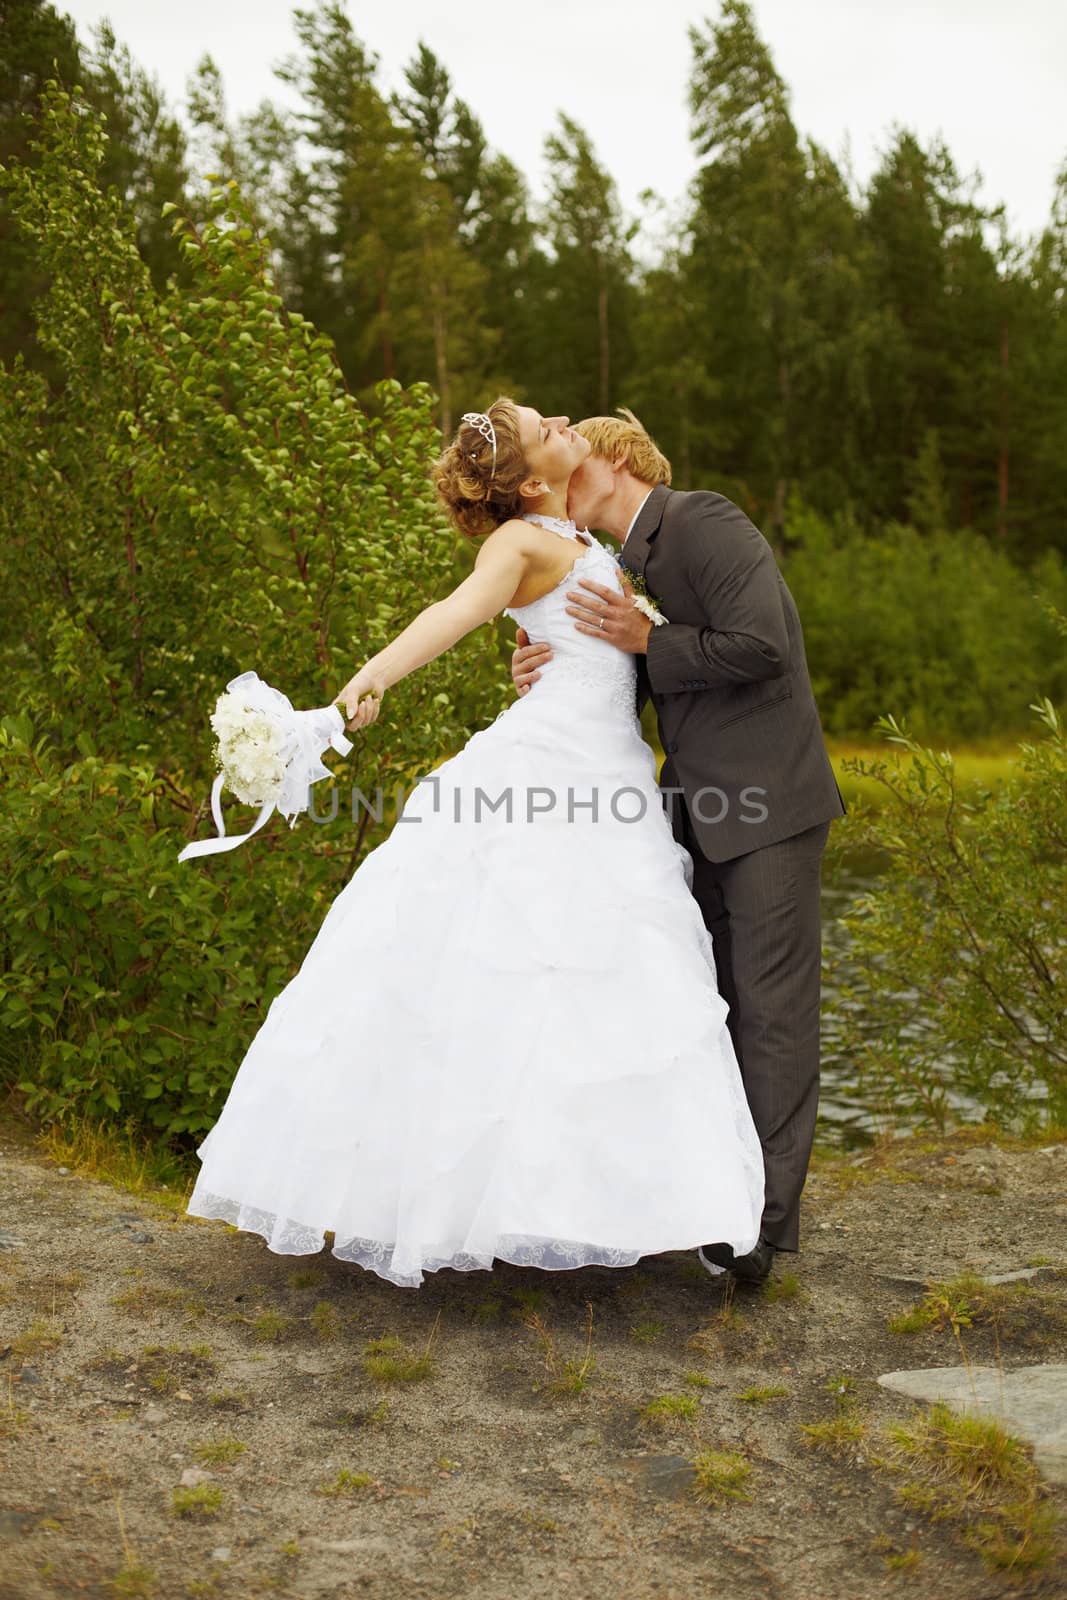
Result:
762,910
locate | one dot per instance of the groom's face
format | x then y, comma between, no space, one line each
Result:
590,489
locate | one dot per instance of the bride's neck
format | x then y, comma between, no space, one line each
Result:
551,505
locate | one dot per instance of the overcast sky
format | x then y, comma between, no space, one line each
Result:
988,75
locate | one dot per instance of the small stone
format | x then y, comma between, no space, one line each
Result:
222,1553
141,1238
183,1394
8,1241
63,1171
154,1414
193,1477
668,1477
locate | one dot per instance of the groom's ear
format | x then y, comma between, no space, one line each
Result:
619,464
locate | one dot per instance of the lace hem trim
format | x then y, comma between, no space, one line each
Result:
287,1237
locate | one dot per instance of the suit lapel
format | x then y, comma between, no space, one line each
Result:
635,551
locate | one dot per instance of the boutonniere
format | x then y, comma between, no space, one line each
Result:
643,601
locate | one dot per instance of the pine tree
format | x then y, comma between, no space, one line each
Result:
588,283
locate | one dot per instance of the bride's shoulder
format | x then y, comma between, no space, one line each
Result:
516,533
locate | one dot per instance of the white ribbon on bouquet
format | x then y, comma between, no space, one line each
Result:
303,736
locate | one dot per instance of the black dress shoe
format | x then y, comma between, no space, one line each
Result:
751,1268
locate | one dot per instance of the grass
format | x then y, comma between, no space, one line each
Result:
719,1475
969,1301
697,1380
539,1524
487,1311
133,1581
668,1408
269,1326
205,1500
785,1287
305,1278
388,1360
13,1418
141,1298
124,1156
896,1560
839,1437
346,1482
567,1375
227,1400
968,1470
217,1452
325,1320
759,1394
529,1299
647,1332
34,1340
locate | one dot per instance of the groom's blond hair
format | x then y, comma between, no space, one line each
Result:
626,438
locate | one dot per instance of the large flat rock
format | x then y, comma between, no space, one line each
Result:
1030,1401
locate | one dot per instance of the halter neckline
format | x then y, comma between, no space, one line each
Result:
561,525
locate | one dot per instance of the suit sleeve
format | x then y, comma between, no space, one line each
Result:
733,572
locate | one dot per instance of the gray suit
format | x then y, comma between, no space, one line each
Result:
754,795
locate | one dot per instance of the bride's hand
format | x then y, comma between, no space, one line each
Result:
360,700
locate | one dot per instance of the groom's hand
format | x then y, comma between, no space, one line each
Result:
526,658
610,616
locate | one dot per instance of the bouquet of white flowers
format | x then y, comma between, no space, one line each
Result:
268,754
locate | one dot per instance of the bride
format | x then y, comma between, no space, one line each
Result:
506,1040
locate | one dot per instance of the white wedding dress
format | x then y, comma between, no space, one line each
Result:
506,1039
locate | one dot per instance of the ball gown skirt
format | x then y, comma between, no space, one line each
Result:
506,1040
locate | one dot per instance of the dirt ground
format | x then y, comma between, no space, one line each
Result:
143,1352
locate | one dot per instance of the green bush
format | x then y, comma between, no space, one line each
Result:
939,629
961,947
202,497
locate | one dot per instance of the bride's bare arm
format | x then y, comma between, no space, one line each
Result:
502,563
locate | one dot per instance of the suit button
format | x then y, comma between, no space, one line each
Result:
669,749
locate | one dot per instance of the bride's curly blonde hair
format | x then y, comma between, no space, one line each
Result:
477,496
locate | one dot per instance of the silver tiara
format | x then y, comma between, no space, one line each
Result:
483,424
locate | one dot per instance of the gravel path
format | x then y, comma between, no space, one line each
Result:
143,1352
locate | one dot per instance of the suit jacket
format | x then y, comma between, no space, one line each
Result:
728,677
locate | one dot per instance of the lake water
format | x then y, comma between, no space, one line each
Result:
846,1116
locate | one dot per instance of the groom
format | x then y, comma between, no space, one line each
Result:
746,779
